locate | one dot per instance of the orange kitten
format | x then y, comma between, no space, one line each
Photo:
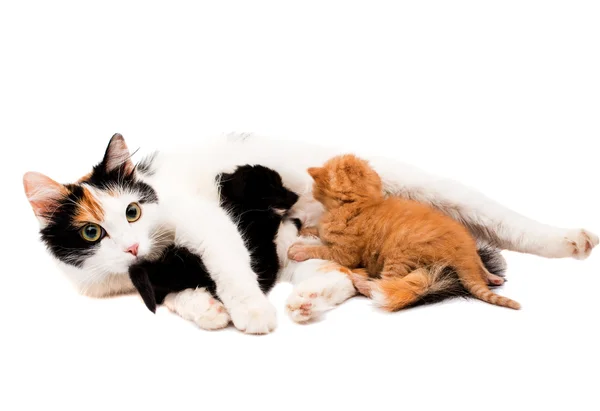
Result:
410,252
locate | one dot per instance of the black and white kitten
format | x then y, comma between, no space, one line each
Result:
258,202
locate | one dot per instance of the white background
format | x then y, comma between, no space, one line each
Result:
503,96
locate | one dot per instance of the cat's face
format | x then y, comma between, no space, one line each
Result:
344,179
96,228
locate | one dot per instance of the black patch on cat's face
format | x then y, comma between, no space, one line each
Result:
255,187
61,236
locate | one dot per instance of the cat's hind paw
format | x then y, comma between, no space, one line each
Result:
579,243
304,306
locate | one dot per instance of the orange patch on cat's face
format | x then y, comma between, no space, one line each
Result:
88,210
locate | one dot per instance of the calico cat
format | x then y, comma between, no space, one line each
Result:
410,252
259,203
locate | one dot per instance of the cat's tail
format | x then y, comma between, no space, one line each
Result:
426,286
421,286
473,279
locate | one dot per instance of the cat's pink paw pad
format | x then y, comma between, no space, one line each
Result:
303,307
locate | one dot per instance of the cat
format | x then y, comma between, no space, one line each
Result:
259,204
184,181
410,252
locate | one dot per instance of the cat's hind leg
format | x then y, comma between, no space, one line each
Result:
319,286
200,307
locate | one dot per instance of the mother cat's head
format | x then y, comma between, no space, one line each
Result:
97,227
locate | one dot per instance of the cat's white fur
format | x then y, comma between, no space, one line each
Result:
185,183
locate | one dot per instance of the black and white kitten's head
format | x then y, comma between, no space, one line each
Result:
256,188
97,227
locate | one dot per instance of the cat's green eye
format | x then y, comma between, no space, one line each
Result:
91,232
133,212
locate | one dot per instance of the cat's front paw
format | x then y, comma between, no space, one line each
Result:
198,306
579,243
255,316
298,252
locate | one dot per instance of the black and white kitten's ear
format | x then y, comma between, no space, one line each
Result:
141,281
117,155
43,194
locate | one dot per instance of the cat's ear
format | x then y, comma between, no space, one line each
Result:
43,194
117,155
317,173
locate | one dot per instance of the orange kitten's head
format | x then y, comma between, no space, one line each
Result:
345,179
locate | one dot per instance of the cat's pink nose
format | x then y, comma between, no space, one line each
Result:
133,249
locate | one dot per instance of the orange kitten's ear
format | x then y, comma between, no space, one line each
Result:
316,173
117,154
43,194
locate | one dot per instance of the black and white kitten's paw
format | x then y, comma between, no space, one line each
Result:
320,293
200,307
255,316
304,305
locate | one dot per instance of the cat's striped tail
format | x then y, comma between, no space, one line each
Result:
423,286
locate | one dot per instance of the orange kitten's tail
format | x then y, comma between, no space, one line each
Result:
420,286
423,286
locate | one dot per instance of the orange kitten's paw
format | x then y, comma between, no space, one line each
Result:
493,279
581,243
297,252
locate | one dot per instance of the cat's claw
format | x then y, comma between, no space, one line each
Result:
198,306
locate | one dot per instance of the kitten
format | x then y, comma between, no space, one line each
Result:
258,202
410,252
